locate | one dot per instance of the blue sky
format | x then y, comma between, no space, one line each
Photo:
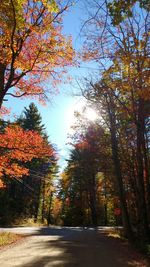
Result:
58,114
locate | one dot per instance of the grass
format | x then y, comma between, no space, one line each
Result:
8,238
27,222
115,235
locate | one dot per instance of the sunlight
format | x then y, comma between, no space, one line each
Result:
86,112
90,114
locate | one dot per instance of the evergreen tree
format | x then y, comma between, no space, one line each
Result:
31,119
39,169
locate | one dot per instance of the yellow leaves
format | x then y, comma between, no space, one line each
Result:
129,73
51,6
64,180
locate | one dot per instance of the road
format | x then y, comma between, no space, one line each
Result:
68,247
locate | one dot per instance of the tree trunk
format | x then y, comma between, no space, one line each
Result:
2,78
143,229
49,209
93,201
43,201
117,165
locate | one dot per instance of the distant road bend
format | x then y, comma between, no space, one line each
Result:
68,247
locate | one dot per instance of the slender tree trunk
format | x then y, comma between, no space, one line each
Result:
2,77
40,203
93,201
105,204
43,201
49,209
117,165
143,229
147,172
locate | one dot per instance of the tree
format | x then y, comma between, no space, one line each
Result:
119,10
83,193
123,91
31,119
40,170
115,106
32,47
31,158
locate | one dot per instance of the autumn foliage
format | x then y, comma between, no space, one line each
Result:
18,146
32,47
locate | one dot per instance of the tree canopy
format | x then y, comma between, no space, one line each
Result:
32,47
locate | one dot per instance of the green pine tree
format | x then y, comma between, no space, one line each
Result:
31,119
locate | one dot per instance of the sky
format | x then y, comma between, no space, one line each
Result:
58,114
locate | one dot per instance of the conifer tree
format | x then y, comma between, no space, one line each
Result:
40,169
31,119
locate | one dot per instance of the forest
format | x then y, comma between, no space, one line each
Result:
106,181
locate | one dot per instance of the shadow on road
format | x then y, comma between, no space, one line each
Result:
83,248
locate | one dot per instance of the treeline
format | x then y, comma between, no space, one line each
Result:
109,168
87,184
24,197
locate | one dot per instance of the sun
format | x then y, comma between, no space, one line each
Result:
85,111
90,114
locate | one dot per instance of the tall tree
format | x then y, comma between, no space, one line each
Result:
124,91
40,170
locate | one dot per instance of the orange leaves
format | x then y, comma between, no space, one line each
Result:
17,145
2,185
24,142
32,46
14,170
82,145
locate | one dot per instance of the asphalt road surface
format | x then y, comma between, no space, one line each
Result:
68,247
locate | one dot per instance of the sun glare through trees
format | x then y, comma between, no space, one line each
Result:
105,180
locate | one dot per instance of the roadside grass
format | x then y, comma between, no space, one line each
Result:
27,222
116,232
8,238
114,235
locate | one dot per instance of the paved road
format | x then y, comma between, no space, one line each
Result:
68,247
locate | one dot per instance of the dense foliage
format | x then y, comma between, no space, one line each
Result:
32,47
107,178
27,181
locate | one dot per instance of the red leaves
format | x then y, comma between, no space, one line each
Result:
17,145
117,211
33,47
